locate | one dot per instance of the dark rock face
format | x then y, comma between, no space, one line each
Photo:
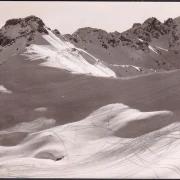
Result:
94,35
4,40
136,25
12,22
124,38
155,27
42,30
104,39
40,27
25,21
149,30
168,22
142,45
56,31
152,20
29,26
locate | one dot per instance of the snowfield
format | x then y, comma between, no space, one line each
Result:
4,90
103,143
62,54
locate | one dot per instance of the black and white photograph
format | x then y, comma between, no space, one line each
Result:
89,89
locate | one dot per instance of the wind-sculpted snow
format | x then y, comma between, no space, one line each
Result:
76,126
62,54
103,145
38,124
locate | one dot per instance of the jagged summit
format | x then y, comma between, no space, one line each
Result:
21,28
149,29
152,20
88,30
25,20
152,38
32,21
95,35
56,31
136,25
168,22
140,39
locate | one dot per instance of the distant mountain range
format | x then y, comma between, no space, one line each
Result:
152,45
145,48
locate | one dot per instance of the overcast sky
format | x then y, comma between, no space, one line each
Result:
67,17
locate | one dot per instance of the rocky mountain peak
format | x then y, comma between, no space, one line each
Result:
89,30
33,22
21,27
136,25
12,22
95,36
151,21
56,31
150,28
168,22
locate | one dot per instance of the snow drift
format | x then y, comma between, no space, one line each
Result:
94,144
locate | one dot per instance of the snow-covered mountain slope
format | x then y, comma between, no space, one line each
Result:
93,51
64,55
30,36
149,45
16,34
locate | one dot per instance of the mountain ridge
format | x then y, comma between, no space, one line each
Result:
135,51
151,36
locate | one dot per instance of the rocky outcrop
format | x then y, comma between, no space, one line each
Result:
154,27
56,31
12,22
104,39
152,40
148,30
24,27
168,22
136,25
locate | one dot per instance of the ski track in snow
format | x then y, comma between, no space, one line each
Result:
90,148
